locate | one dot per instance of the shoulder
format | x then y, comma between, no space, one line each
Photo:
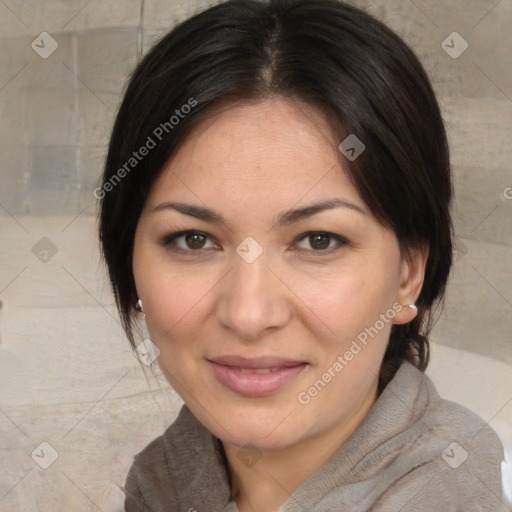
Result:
469,437
183,465
148,485
458,459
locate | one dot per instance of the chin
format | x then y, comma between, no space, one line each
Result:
258,442
264,433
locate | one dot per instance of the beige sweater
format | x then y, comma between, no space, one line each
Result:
414,452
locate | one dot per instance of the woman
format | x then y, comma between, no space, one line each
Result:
275,204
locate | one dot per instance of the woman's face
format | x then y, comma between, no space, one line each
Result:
319,291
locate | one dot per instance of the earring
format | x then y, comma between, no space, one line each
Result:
138,306
411,306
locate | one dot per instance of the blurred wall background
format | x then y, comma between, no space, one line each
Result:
67,375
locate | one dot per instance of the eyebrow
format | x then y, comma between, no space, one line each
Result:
283,219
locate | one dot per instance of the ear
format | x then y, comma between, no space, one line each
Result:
412,275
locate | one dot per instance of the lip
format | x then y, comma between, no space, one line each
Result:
255,362
256,384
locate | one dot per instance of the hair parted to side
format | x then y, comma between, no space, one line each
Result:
325,53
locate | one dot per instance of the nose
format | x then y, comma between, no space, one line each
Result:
254,299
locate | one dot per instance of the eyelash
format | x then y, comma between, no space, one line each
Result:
169,239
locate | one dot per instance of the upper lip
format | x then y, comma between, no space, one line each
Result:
256,362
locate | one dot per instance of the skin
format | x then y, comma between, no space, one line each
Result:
303,299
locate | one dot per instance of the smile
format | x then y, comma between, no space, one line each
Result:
255,381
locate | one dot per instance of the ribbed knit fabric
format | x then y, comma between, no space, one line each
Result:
414,452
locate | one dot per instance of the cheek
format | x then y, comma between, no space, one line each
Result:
175,306
346,301
170,294
339,298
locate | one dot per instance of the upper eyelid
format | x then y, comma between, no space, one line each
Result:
178,234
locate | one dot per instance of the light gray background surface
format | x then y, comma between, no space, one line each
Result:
67,374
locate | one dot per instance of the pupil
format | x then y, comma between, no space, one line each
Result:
192,240
320,236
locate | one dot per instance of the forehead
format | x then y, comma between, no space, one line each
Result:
272,149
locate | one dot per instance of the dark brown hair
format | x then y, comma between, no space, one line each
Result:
329,54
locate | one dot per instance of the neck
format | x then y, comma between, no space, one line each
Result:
264,480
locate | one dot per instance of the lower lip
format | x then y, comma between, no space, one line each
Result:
255,384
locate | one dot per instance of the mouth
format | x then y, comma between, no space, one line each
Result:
255,377
256,363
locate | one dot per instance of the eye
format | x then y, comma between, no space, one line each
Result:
320,241
192,241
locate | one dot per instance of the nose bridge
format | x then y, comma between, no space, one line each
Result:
253,297
251,270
